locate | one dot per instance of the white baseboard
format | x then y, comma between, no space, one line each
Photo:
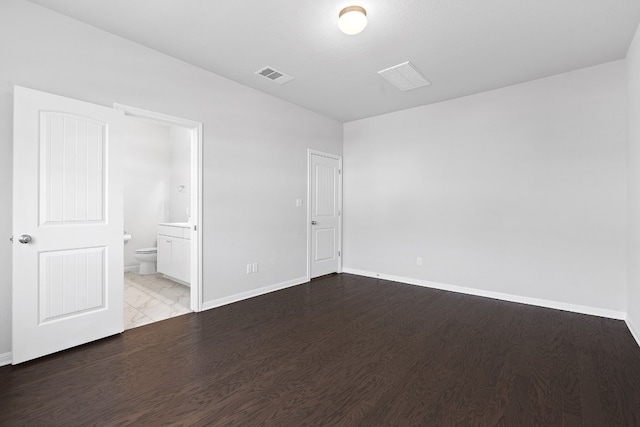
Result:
253,293
633,329
594,311
132,268
5,359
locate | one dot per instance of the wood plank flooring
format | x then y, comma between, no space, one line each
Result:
343,350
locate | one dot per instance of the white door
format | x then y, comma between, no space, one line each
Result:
163,260
67,199
325,214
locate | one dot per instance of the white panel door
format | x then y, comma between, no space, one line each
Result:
67,199
325,215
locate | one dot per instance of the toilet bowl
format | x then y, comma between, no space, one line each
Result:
147,258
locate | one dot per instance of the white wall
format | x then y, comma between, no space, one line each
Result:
633,76
254,153
519,191
179,200
147,172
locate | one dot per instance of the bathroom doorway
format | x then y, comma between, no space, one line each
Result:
162,211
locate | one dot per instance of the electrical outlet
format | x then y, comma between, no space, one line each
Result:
298,202
419,260
252,268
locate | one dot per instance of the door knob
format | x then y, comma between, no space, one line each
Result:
313,223
24,239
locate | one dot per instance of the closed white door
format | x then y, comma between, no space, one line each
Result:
179,262
67,223
173,257
325,214
163,260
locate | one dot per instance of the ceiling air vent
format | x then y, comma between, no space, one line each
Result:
404,76
274,75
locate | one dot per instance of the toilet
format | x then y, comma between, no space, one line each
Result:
147,258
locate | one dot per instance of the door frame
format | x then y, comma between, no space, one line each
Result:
196,191
311,152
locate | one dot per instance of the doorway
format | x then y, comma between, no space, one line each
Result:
324,207
67,257
162,263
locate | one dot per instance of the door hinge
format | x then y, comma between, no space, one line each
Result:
339,253
339,171
339,212
195,228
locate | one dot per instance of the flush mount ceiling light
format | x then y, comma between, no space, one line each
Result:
352,20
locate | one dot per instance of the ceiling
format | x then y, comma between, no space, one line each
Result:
461,46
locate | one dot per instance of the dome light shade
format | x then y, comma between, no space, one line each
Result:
352,20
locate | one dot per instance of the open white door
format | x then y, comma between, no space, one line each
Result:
67,223
325,208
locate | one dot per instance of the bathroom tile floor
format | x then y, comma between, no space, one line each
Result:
151,298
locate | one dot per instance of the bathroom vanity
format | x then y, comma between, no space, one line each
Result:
174,251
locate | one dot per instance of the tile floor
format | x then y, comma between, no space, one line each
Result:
151,298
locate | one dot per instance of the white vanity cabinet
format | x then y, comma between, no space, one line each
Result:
174,251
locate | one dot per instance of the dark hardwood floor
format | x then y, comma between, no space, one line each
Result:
342,350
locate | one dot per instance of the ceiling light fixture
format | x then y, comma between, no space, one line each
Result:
352,20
